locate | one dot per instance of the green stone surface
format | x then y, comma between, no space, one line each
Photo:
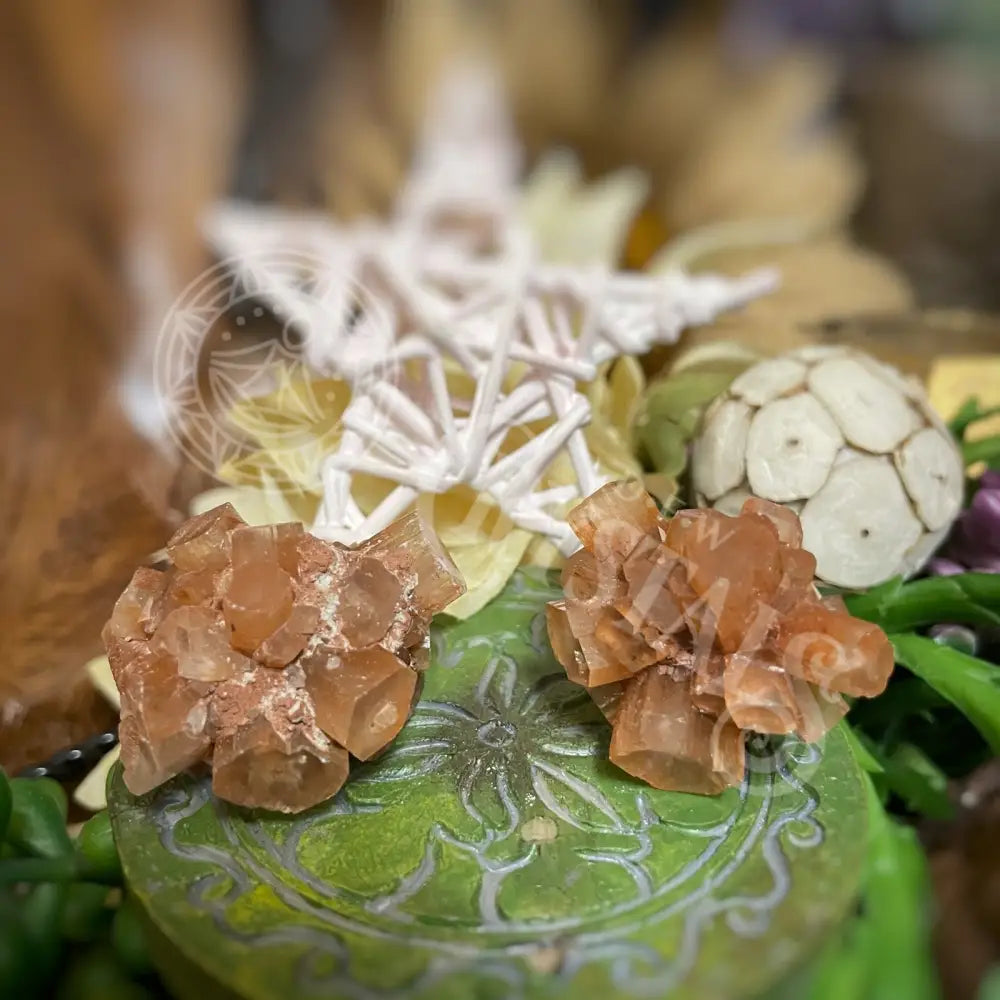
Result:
492,852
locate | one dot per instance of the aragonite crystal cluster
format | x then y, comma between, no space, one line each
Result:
690,630
273,655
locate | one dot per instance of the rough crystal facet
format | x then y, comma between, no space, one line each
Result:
689,631
257,601
272,655
362,698
257,767
133,612
167,721
202,542
197,638
289,638
827,647
369,597
411,550
661,737
276,543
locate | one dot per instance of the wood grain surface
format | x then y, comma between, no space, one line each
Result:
84,497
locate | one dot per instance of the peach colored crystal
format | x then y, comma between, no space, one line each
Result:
271,655
691,630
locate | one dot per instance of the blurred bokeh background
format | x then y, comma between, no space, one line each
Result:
855,143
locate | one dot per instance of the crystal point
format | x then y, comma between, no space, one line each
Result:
260,768
759,695
369,597
289,638
133,613
615,518
834,650
257,601
411,550
362,698
202,542
167,729
198,640
277,543
661,737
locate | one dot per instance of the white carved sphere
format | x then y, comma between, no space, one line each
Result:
849,443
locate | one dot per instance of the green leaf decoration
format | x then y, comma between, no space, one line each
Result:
910,773
866,758
966,598
672,406
990,987
985,450
969,413
493,852
885,951
970,684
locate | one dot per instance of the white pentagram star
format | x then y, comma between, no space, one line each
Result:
454,283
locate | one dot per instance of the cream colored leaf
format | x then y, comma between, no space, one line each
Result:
90,793
99,671
257,505
578,223
485,546
819,280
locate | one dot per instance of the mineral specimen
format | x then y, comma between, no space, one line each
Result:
847,442
271,655
690,630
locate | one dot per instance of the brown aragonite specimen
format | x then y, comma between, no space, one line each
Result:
272,655
690,630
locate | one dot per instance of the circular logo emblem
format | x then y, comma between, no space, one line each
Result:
254,365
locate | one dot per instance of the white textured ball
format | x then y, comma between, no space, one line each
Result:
850,444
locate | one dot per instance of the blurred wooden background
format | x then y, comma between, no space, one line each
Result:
121,119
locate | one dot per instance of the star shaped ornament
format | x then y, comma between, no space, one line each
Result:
464,348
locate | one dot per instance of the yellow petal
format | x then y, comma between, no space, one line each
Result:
541,552
298,402
485,546
953,380
296,426
258,505
578,223
626,383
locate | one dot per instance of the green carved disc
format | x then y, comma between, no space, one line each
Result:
493,853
